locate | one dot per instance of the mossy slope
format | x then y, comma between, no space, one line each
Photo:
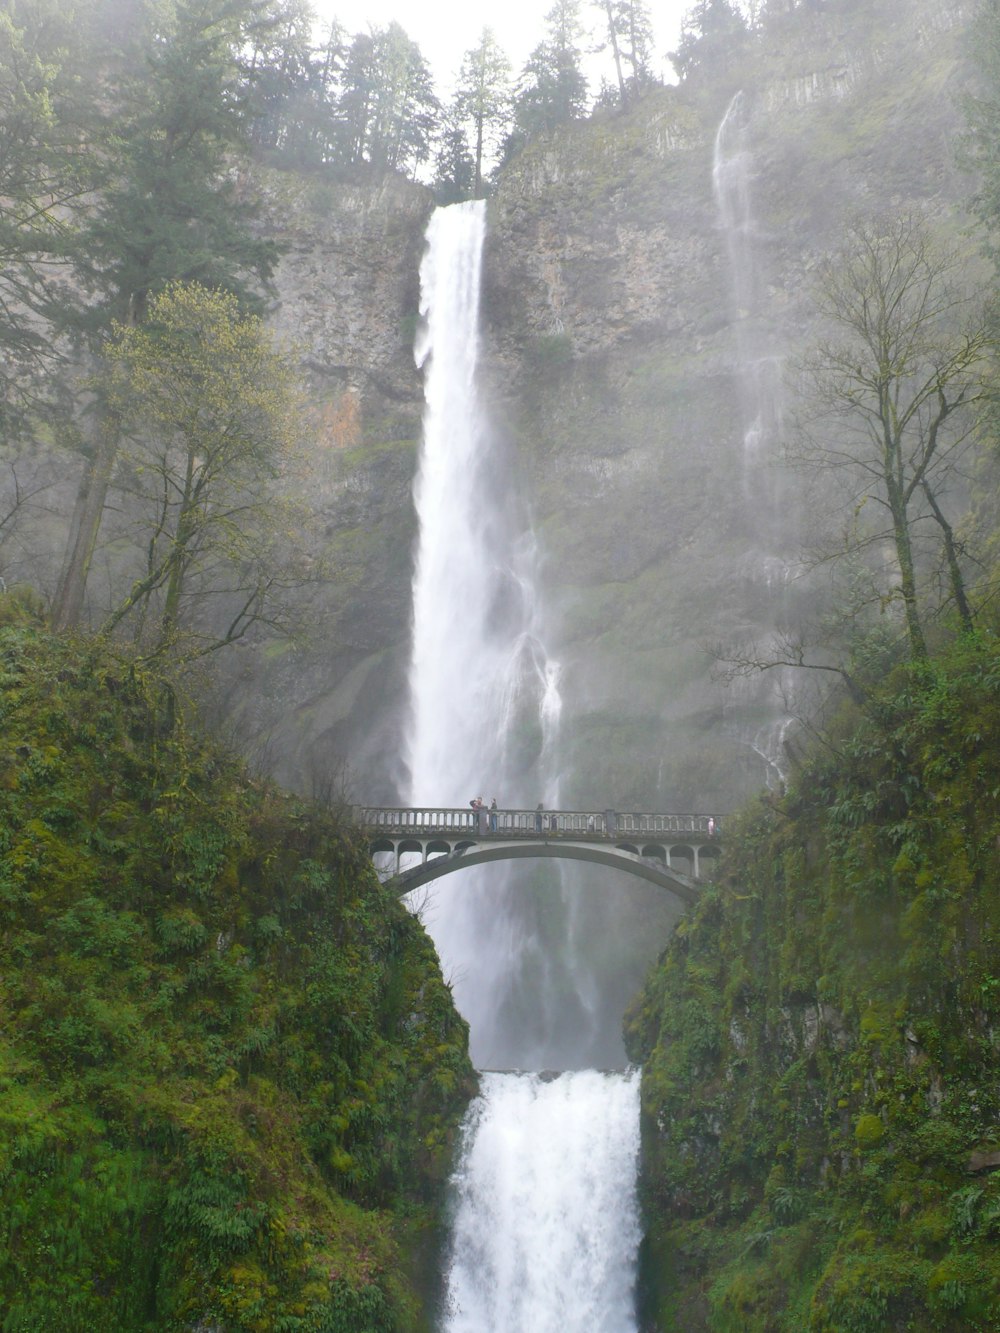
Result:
229,1068
821,1099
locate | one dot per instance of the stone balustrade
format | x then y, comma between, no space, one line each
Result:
606,825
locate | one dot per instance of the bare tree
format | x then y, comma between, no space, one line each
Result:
891,396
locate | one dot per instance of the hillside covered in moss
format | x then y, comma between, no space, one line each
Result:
821,1094
230,1071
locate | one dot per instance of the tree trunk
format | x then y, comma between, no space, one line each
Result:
88,511
907,576
478,190
951,559
616,53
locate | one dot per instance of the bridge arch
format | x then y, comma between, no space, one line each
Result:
623,859
447,840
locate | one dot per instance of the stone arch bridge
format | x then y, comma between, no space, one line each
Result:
674,851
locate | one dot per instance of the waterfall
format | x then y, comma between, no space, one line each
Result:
759,368
484,692
485,710
547,1223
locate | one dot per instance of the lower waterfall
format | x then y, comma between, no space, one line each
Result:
546,1226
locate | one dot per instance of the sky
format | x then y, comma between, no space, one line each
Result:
445,29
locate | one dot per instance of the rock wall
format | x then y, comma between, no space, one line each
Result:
623,379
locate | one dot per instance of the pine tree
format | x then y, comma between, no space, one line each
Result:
710,29
41,181
484,100
630,37
553,85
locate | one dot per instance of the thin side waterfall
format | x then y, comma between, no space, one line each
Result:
544,1160
759,369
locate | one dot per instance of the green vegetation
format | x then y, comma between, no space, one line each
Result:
820,1094
230,1071
209,404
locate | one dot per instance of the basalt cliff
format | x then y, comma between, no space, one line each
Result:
640,339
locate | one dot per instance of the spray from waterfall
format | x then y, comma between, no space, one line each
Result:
759,367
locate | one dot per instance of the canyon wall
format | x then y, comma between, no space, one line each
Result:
638,386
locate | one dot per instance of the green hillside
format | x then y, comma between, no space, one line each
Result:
821,1101
230,1070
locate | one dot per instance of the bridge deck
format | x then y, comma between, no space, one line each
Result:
591,825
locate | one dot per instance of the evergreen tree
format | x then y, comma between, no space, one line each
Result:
388,111
483,100
710,29
168,135
455,167
553,86
982,110
630,38
172,131
41,181
285,80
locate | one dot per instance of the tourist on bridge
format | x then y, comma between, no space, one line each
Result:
493,815
538,817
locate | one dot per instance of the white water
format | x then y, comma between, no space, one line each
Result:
759,369
475,656
484,692
546,1231
547,1222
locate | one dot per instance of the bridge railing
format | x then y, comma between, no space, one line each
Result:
424,820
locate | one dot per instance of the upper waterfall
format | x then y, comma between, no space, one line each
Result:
479,674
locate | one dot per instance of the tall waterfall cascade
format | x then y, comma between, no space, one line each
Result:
546,1228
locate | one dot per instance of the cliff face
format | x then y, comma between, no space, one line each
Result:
643,352
636,366
347,292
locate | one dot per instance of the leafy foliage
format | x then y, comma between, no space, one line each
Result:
209,403
820,1094
230,1071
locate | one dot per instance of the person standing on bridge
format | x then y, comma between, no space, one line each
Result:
493,815
538,817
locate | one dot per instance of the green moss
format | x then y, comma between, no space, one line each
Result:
817,1042
231,1073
